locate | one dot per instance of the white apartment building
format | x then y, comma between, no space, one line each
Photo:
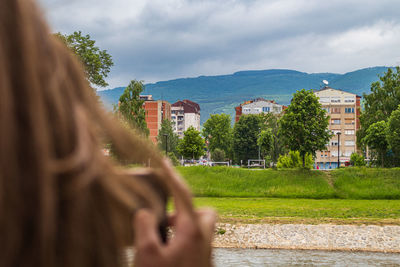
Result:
261,106
184,114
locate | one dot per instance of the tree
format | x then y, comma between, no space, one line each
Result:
218,155
270,122
130,106
381,102
265,142
192,145
393,133
167,138
97,63
245,135
217,131
375,138
304,125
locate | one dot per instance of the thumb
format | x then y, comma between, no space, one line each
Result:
145,230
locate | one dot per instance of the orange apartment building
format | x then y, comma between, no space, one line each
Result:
156,112
343,109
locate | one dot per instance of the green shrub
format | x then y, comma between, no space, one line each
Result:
293,160
357,160
218,155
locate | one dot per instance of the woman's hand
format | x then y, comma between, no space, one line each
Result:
191,244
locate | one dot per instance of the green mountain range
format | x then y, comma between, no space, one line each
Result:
220,94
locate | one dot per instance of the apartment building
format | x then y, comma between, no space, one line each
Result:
257,106
344,111
184,114
156,112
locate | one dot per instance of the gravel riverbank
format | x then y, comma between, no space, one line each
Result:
300,236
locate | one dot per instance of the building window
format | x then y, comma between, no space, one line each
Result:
334,143
334,153
349,100
246,110
349,110
335,122
348,153
335,110
335,132
257,110
265,109
349,143
349,132
349,121
324,99
335,100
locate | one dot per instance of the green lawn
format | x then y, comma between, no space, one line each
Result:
367,183
348,183
344,196
234,182
311,211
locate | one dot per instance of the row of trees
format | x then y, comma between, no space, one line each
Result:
380,120
302,128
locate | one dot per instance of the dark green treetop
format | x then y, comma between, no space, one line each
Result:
167,138
97,62
393,133
192,145
217,130
375,138
245,135
130,106
381,102
304,125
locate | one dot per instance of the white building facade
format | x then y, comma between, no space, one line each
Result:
262,106
184,114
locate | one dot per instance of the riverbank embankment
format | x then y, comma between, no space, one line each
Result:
371,238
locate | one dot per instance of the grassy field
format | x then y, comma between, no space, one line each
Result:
309,211
367,183
344,196
348,183
233,182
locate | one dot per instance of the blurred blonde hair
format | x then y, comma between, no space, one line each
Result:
62,202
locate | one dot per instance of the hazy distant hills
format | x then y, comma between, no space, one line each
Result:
217,94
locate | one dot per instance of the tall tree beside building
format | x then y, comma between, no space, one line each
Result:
192,145
393,133
376,140
304,126
265,141
245,135
97,63
278,147
381,102
167,139
130,106
217,130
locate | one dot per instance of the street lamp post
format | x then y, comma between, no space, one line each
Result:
166,144
338,149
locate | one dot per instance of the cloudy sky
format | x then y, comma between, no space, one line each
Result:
155,40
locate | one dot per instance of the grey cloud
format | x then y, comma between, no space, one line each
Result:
164,39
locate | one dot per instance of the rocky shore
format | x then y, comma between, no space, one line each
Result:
300,236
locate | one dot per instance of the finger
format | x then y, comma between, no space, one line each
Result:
181,193
145,230
207,218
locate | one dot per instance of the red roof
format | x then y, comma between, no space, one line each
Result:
188,106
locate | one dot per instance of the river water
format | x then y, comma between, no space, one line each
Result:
276,257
